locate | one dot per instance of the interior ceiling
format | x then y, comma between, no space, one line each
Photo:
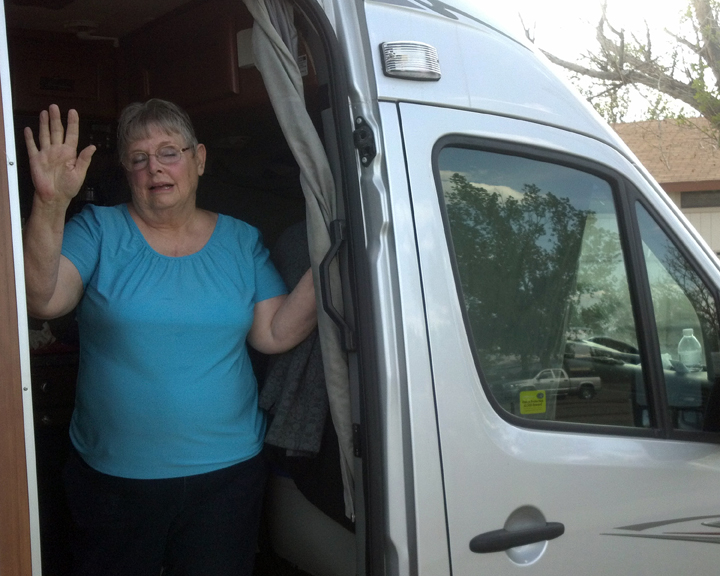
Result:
114,18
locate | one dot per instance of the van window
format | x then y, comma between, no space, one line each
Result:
543,279
686,319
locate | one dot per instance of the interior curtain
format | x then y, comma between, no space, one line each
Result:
274,41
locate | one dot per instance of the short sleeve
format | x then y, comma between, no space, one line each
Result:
81,242
268,282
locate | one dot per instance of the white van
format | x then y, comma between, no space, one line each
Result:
469,218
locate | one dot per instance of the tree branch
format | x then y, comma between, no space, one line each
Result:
657,80
680,40
710,33
626,61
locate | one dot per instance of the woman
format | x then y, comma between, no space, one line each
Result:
167,472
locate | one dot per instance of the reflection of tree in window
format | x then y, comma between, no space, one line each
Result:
601,302
682,300
517,259
680,297
695,290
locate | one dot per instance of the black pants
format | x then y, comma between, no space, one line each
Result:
202,525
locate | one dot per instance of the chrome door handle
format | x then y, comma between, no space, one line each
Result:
499,540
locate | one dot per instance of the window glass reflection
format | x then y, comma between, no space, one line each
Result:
545,288
687,323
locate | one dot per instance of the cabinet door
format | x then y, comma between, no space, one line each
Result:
533,257
60,69
190,57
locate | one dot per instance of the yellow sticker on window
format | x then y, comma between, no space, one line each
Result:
533,402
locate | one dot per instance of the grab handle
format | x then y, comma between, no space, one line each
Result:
337,237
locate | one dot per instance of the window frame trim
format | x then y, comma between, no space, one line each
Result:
633,197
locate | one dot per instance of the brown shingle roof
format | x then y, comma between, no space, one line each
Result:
672,152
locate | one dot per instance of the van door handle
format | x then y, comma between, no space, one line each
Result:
337,237
499,540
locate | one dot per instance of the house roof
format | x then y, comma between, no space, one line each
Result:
674,153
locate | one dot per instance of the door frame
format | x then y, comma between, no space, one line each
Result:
19,518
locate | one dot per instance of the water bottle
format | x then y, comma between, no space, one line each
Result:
690,351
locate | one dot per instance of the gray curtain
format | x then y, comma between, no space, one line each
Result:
275,52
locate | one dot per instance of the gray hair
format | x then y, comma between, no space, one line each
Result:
137,118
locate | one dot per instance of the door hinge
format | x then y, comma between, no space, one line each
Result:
364,140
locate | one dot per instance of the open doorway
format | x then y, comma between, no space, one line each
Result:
98,57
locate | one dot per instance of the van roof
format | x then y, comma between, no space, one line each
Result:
499,16
486,66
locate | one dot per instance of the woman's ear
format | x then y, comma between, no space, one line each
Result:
200,155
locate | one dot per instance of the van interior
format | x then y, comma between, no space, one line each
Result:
97,56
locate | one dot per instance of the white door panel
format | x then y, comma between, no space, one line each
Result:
620,497
416,531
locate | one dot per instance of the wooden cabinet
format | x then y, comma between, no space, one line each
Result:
61,69
190,57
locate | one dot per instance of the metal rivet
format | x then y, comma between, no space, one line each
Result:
12,163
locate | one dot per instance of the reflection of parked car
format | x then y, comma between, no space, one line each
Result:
616,362
555,381
601,350
684,393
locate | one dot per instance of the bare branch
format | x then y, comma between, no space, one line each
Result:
709,30
529,34
680,40
612,89
623,59
573,67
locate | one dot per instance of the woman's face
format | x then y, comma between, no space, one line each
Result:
158,187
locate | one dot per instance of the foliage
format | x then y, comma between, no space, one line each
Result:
689,74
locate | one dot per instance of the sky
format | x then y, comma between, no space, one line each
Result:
566,28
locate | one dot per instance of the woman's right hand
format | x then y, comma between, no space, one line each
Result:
57,170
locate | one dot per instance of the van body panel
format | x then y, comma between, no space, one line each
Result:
594,484
415,537
350,25
482,69
414,482
466,11
525,86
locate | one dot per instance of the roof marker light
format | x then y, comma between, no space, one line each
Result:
410,60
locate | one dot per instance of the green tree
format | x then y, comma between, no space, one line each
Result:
689,73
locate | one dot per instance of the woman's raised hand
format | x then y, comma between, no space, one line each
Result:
57,170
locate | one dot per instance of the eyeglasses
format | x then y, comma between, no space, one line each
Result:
166,155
